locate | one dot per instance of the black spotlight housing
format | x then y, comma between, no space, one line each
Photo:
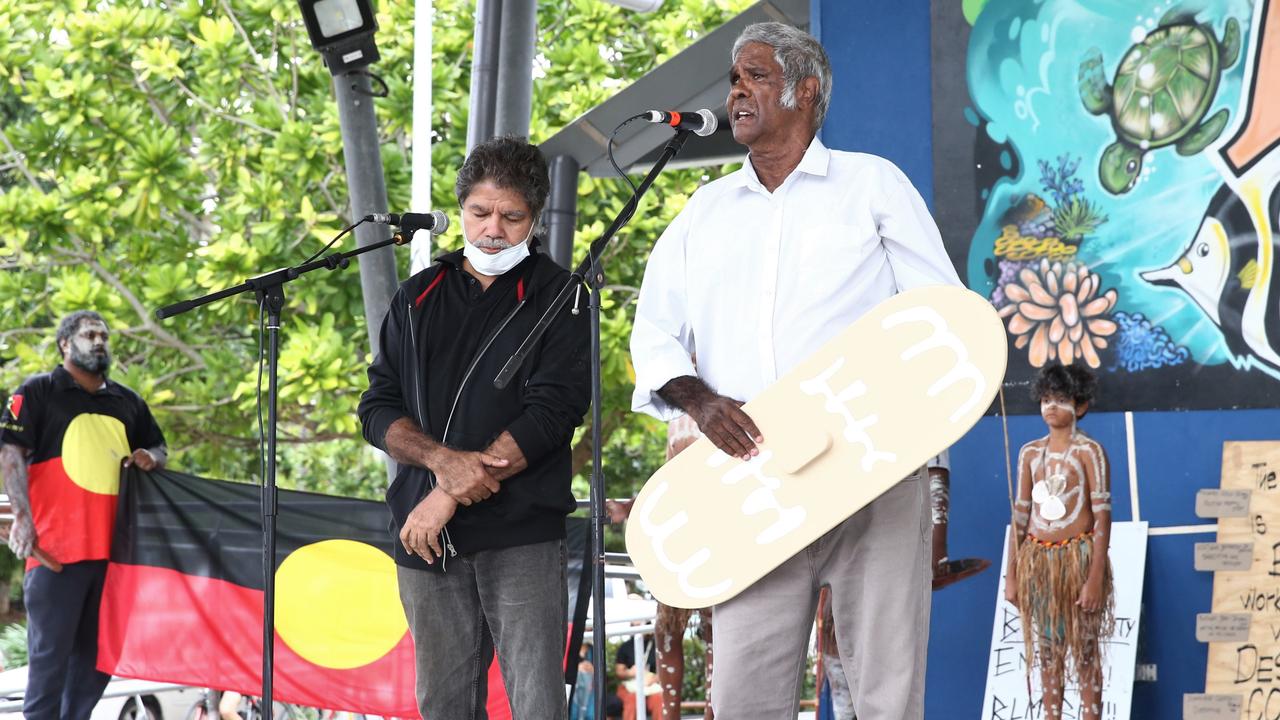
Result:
342,30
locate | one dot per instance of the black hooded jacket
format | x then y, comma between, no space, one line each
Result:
439,321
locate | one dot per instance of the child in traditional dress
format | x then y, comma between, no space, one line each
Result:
1060,577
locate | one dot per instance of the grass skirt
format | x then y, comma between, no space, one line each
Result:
1050,578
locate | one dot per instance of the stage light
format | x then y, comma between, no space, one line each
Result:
342,30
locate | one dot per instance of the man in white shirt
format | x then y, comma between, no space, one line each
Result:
759,270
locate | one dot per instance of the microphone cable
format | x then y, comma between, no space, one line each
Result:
335,239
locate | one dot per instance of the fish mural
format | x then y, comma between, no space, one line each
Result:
1106,173
1228,269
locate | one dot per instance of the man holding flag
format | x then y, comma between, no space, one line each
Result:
63,438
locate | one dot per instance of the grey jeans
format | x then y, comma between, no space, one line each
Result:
514,599
877,565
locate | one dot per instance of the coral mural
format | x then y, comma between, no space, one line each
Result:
1106,173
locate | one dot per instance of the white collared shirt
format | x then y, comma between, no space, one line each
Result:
754,282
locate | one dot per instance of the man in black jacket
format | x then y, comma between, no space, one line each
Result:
483,485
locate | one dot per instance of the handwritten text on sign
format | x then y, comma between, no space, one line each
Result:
1247,666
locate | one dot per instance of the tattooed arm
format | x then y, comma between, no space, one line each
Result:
13,463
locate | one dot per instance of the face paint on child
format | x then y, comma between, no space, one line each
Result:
1047,405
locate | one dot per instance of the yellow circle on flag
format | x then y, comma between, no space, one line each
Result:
338,604
92,449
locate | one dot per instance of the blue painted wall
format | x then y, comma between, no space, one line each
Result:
880,63
880,59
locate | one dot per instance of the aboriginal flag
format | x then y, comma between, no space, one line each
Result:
184,594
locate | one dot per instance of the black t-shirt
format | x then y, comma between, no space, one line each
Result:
76,441
627,654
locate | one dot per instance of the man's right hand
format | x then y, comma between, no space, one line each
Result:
722,420
462,474
718,417
22,536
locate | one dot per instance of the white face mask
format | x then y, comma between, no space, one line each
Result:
497,263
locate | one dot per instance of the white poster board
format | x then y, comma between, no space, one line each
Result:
1006,695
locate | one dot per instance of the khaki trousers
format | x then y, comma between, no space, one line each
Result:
877,565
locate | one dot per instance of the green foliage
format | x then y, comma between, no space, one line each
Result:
152,152
11,566
694,687
13,645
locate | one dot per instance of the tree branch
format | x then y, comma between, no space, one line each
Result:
171,376
141,310
20,161
260,61
151,99
328,196
200,229
253,441
221,113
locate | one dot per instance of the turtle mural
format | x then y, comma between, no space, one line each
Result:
1136,168
1163,89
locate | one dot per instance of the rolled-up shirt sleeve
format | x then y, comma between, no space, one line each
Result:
662,342
910,236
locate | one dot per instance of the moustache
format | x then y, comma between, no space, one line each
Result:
491,243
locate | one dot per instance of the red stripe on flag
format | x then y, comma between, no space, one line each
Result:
162,625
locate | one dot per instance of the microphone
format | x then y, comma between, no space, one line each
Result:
701,122
435,221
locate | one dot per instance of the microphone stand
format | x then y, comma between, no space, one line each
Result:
589,270
269,289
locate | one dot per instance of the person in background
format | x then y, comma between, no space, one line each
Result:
63,438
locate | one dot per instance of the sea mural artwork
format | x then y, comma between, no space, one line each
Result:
1107,176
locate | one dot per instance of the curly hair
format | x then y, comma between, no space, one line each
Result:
70,325
511,163
1074,381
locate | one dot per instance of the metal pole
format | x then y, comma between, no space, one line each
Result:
598,517
562,209
368,191
514,97
273,302
642,675
484,69
420,198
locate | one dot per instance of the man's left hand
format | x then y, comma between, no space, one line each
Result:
143,459
421,532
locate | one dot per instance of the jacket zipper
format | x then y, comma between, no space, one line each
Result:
417,397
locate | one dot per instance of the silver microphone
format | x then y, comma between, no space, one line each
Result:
435,221
701,122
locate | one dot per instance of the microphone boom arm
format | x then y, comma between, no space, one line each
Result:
259,283
580,274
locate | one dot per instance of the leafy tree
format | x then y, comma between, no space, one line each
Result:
153,151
